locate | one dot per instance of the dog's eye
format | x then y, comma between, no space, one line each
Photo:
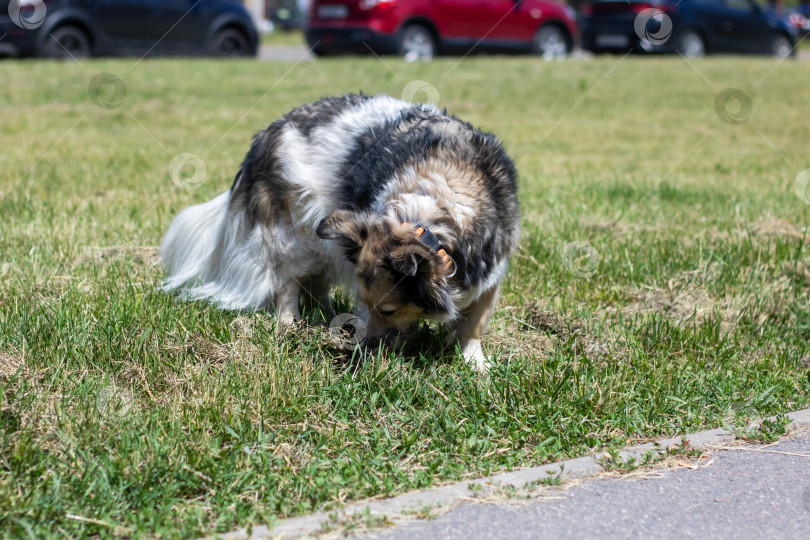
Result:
387,312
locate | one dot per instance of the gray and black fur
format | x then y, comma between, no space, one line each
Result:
334,179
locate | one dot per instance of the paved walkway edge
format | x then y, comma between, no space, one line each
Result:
578,468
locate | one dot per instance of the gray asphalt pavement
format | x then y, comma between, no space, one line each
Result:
759,493
293,53
287,53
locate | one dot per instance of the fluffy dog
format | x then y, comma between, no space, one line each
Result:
411,207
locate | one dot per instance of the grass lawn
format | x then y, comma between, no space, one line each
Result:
661,285
284,38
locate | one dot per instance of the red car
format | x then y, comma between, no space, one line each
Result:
421,29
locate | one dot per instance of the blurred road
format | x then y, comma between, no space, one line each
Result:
294,53
756,492
285,53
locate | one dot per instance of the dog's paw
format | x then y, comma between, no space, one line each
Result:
288,324
474,355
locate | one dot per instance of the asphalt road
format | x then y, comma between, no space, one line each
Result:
294,53
741,494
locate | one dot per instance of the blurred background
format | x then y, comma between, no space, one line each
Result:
412,29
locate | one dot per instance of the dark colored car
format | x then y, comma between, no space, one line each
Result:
690,27
79,28
421,29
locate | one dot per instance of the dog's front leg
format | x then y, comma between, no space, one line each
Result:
316,294
474,320
287,298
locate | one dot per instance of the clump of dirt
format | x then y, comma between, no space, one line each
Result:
548,322
246,333
292,455
686,302
778,227
619,227
683,304
9,365
536,332
798,273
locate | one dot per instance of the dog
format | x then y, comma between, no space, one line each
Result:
412,208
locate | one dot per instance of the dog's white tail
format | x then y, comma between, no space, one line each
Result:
211,253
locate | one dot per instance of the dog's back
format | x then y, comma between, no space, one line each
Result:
373,156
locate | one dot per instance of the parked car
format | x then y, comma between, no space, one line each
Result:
80,28
799,19
421,29
690,27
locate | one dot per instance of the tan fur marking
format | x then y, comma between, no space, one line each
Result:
381,295
474,320
476,316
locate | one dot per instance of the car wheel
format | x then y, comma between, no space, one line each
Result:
229,42
550,41
781,47
417,43
691,45
66,42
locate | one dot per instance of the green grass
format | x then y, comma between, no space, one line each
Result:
127,412
284,38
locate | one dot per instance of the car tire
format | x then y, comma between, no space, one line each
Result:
66,42
550,41
781,47
691,44
416,42
228,43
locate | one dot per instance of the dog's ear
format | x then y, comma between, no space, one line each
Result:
429,291
339,224
348,228
411,259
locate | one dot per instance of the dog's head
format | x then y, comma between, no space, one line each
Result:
399,278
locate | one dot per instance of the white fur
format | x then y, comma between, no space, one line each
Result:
214,254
